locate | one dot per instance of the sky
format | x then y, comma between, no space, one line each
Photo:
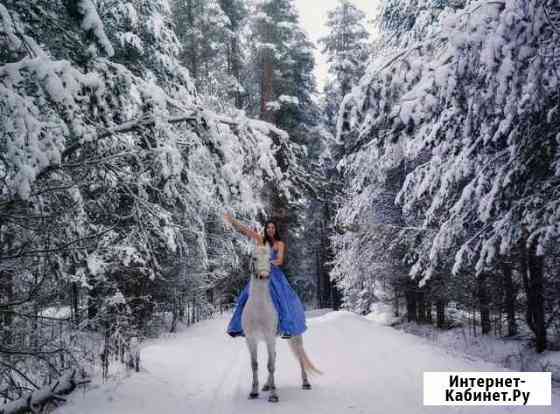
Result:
313,16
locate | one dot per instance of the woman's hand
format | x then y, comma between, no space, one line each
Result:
251,233
275,262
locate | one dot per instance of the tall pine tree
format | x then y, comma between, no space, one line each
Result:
346,48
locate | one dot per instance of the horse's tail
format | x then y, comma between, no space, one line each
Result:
296,345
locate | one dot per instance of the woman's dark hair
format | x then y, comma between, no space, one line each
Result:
276,235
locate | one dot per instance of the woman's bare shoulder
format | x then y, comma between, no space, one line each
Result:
280,244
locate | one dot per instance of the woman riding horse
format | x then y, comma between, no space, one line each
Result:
287,303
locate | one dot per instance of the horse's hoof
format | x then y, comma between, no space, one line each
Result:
273,398
253,395
266,387
306,386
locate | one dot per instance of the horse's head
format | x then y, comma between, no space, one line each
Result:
263,262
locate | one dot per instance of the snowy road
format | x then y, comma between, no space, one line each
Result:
368,369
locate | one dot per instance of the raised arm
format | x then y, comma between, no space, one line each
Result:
243,229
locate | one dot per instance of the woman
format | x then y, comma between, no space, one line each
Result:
290,309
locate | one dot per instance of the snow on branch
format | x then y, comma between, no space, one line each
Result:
41,397
199,117
8,28
91,21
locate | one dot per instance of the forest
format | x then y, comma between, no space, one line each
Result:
423,174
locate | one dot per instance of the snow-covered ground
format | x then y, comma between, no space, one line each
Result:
368,368
516,354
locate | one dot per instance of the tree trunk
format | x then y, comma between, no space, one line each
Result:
509,299
536,270
6,296
75,304
266,86
345,47
193,58
319,278
421,306
411,303
193,310
175,313
440,311
92,299
236,68
429,318
484,304
335,296
331,295
532,274
267,65
523,260
181,306
234,60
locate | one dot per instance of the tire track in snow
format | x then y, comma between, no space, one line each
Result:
228,391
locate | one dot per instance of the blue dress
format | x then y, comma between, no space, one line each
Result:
291,316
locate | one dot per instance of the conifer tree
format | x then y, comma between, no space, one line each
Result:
480,175
346,48
114,179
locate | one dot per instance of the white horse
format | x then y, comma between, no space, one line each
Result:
260,321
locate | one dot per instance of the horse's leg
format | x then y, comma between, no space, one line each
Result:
252,345
305,382
267,384
271,347
298,340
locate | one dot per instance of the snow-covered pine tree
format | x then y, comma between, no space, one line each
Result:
204,30
237,13
467,99
280,83
112,175
346,48
282,56
369,190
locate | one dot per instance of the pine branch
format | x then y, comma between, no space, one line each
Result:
64,247
143,122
